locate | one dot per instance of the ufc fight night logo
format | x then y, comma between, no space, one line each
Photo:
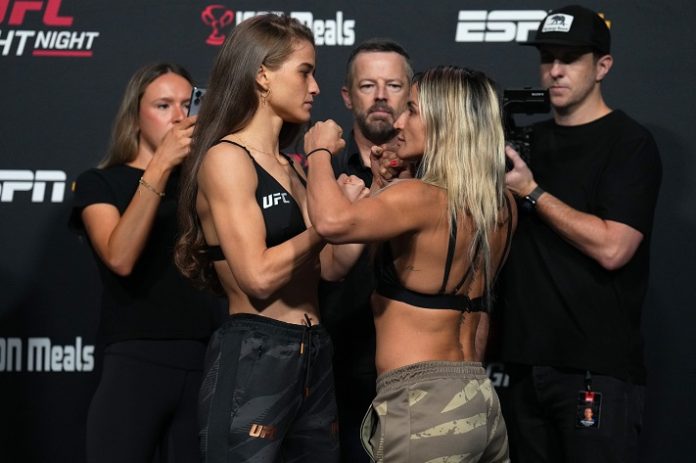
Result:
32,184
51,41
497,25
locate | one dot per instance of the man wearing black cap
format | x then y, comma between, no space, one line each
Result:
571,293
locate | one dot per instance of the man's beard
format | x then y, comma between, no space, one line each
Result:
379,131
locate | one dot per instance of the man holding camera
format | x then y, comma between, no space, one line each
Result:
571,293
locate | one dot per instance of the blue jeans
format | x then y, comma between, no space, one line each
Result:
540,409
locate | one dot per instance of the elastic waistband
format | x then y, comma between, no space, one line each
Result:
270,326
424,371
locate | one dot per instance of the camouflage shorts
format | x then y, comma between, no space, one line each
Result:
435,412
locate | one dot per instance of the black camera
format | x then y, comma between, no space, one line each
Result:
522,101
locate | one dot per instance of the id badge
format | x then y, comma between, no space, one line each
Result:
588,409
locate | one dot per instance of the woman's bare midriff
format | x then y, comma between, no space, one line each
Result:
407,334
289,304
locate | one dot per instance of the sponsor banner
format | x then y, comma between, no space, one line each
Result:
32,186
41,354
57,37
497,25
496,373
508,25
334,31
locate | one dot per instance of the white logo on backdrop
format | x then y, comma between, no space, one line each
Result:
497,25
330,32
25,181
41,354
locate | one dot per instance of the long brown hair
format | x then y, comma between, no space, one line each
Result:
229,105
123,147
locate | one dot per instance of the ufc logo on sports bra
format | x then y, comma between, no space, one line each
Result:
275,199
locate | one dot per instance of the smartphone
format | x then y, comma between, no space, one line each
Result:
196,100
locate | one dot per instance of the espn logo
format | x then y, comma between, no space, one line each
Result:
497,25
12,181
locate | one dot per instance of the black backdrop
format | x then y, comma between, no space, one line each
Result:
63,68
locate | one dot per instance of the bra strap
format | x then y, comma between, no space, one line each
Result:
236,144
450,254
292,164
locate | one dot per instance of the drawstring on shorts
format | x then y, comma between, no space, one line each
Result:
308,336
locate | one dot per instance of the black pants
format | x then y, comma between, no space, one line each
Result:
354,394
540,409
145,403
268,394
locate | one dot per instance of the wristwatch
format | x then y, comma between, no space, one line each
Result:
531,199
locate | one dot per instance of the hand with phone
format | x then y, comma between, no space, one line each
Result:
176,143
196,100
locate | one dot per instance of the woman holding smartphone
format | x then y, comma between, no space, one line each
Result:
154,325
444,235
268,393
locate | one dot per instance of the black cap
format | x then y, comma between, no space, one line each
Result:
573,26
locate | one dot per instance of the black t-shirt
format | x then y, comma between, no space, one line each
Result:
345,306
558,306
155,301
350,162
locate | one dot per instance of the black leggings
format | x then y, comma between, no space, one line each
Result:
146,403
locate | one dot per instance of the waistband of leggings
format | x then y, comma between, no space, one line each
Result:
271,325
424,371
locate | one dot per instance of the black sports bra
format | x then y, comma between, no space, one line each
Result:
281,213
388,284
